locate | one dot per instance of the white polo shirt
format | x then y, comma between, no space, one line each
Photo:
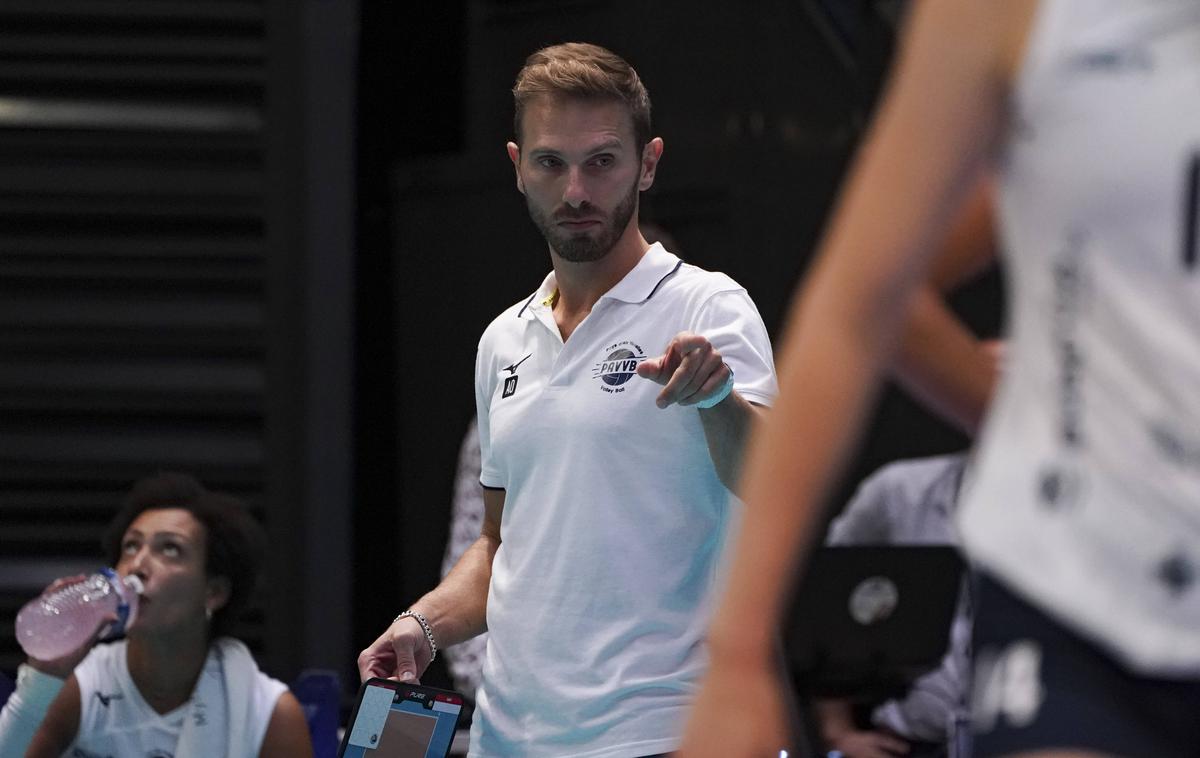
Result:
614,515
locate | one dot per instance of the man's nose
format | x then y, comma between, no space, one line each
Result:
575,192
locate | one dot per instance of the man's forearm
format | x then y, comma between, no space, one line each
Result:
457,608
726,428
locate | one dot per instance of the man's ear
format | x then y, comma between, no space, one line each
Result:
651,154
218,593
514,155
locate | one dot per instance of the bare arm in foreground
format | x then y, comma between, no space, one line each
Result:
934,129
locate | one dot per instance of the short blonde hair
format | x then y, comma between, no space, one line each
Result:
582,70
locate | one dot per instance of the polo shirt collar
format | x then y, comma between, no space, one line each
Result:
637,286
540,299
640,283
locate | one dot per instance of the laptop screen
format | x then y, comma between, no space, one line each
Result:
872,614
398,720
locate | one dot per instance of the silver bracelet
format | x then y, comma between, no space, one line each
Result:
424,627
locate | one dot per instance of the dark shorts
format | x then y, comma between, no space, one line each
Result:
1039,686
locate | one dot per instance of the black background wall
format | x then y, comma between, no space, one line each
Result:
175,287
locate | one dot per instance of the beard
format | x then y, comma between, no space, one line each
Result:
584,248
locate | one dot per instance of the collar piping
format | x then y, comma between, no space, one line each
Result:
526,305
665,277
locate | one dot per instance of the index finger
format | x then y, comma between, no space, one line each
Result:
686,342
684,373
373,667
373,660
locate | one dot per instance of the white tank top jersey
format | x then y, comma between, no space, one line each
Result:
1085,494
115,721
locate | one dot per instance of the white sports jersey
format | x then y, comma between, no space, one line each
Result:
613,514
116,722
1085,496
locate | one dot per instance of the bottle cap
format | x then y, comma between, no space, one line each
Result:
126,603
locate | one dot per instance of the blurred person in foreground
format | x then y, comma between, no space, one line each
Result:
175,685
1081,507
909,502
612,404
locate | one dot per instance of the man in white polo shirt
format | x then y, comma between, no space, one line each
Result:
612,404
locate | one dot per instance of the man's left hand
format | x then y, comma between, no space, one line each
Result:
691,370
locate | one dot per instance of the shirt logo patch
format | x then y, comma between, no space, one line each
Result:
510,381
510,386
618,366
513,368
106,699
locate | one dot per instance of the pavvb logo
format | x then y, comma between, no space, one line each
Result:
618,366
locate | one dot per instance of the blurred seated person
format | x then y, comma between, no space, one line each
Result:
953,373
906,503
175,685
465,660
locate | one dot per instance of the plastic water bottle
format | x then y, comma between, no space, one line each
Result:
60,622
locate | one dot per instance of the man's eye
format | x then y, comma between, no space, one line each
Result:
603,161
548,162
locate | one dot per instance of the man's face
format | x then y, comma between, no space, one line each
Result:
581,173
